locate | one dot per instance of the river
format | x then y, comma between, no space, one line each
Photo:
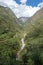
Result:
22,47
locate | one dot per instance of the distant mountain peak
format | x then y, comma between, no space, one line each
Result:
23,19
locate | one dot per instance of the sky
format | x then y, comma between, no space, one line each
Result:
23,8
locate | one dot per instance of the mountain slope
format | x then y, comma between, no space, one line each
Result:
9,37
38,15
34,40
34,20
8,21
35,27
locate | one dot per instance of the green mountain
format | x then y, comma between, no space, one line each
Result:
34,40
23,20
8,21
9,36
35,28
35,20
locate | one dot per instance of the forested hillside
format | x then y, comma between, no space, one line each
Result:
9,36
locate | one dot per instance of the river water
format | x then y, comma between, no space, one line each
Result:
22,47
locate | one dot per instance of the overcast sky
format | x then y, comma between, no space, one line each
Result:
23,8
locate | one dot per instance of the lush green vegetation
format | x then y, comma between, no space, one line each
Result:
11,34
8,51
34,54
9,37
34,46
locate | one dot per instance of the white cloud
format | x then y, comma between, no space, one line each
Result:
21,10
25,11
3,4
40,4
9,3
23,1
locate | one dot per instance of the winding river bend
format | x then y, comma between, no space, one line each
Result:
22,47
